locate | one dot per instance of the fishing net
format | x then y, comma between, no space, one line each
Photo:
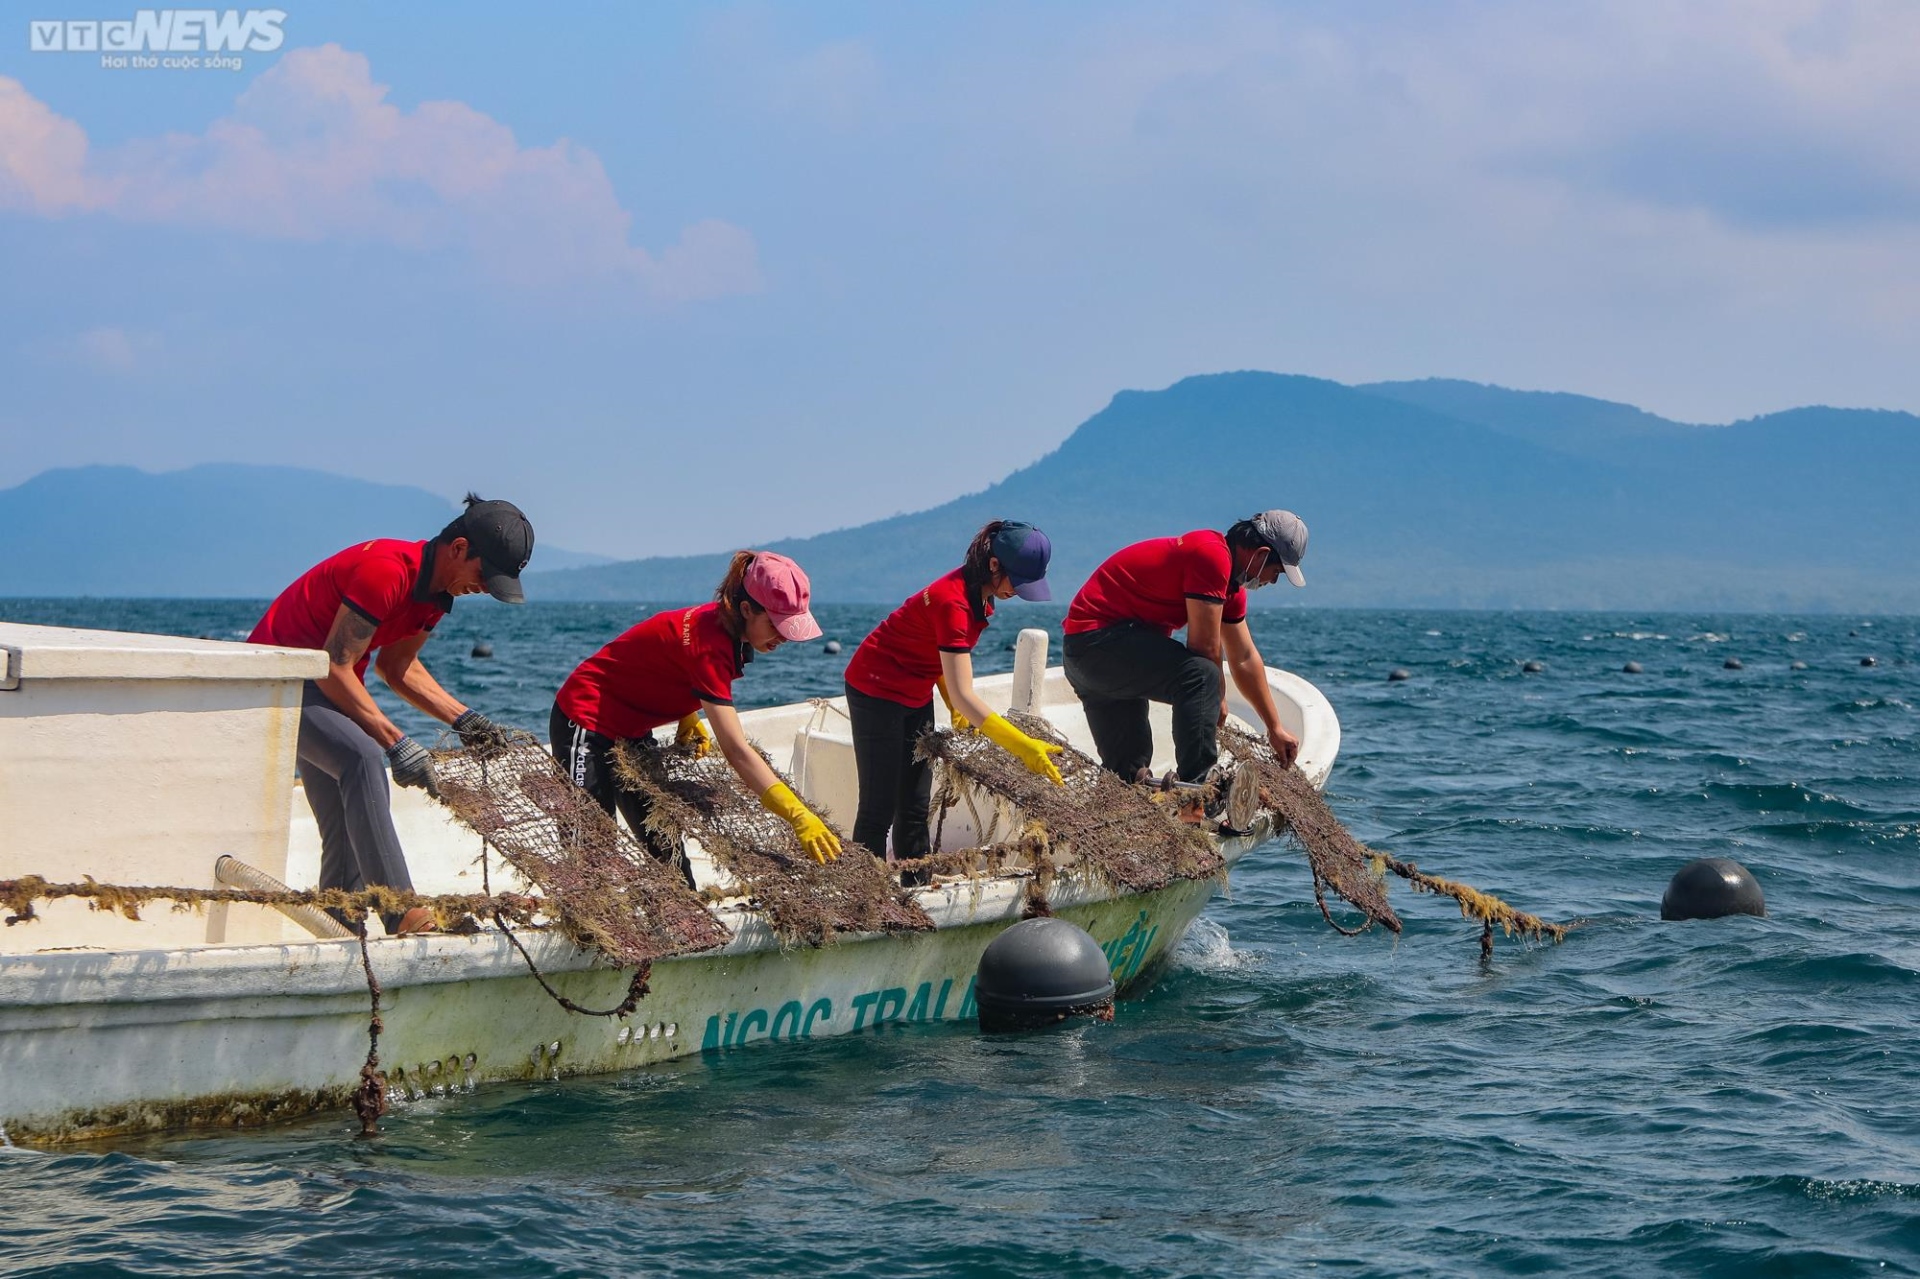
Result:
601,889
1094,821
1356,873
805,902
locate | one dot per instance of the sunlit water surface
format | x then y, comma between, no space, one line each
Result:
1728,1097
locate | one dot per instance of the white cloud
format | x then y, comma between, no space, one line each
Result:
314,151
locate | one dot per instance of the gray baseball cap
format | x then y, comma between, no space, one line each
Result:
1285,535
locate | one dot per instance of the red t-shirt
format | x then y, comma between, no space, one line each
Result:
387,582
657,672
900,660
1152,581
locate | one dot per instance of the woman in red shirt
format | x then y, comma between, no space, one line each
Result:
926,643
669,668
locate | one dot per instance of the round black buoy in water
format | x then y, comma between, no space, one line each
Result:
1868,661
1041,971
1397,674
1534,668
1797,666
1710,888
1632,668
1731,664
831,647
482,649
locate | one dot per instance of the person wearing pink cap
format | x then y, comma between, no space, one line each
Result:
668,669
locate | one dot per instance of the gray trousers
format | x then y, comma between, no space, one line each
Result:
344,773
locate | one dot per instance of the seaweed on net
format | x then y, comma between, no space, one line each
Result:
805,902
1093,822
601,889
1356,873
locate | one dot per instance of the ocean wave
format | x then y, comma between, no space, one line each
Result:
1860,704
1786,797
1207,949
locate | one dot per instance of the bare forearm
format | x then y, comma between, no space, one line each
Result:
420,690
351,698
957,670
1205,648
747,763
346,644
1250,677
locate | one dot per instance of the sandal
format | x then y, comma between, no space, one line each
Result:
416,921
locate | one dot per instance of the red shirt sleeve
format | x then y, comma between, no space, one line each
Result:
952,624
375,587
711,669
1236,610
1205,570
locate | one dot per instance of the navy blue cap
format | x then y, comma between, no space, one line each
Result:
1023,552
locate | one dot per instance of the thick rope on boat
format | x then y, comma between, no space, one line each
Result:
17,896
1095,822
805,903
1352,870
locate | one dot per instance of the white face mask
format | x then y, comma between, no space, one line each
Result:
1255,567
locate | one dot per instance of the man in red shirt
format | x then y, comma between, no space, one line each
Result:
379,602
1121,654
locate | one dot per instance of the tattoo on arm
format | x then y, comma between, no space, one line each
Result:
349,638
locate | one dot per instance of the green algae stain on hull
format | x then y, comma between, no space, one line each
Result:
252,1059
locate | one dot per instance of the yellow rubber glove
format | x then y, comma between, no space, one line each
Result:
960,722
693,735
1035,754
820,843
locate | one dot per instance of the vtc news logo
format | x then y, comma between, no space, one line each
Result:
163,31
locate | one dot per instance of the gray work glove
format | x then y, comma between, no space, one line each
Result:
476,730
411,765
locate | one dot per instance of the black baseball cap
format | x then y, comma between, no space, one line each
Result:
503,539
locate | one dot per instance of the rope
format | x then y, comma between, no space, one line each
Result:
370,1099
637,989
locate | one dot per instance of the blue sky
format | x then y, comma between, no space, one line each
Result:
679,277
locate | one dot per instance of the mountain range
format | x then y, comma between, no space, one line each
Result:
217,531
1433,493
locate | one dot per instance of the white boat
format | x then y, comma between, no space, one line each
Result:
140,759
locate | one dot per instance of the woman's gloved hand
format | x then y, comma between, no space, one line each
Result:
820,843
1034,753
960,722
411,765
693,735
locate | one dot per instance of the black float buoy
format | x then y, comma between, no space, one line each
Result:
1042,971
831,647
482,649
1397,674
1631,668
1710,888
1534,668
1731,664
1868,661
1798,666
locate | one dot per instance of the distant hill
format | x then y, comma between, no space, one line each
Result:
1436,494
208,531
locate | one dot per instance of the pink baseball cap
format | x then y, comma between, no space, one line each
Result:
777,584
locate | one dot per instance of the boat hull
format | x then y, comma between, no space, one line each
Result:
96,1046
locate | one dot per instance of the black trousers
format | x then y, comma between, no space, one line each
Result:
344,775
587,758
895,788
1117,670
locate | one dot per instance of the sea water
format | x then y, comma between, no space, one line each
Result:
1716,1097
